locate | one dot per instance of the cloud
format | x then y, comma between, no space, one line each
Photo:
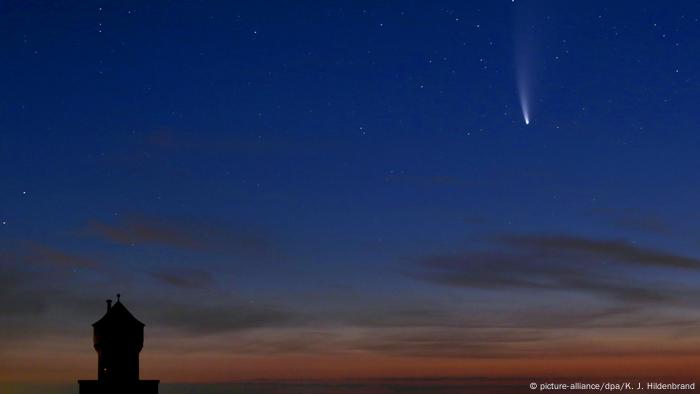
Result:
189,234
633,220
455,343
378,315
211,319
31,308
185,279
15,298
139,230
496,271
38,283
31,274
564,246
558,263
36,253
496,343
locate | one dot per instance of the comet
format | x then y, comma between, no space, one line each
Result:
524,100
525,48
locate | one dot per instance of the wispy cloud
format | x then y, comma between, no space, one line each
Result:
564,246
184,279
40,254
634,220
455,343
222,317
558,263
15,298
182,233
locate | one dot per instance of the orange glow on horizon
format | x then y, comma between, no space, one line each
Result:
218,368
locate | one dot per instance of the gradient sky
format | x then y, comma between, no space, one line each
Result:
341,190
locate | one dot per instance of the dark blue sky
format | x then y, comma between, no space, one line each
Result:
351,168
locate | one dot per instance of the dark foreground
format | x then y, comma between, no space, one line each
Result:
383,386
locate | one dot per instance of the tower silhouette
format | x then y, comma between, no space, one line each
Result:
118,340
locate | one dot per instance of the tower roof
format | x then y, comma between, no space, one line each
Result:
117,315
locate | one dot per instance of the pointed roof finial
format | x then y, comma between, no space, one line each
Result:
118,295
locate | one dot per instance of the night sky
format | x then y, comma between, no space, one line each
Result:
337,190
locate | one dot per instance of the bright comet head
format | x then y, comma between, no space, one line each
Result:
524,103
